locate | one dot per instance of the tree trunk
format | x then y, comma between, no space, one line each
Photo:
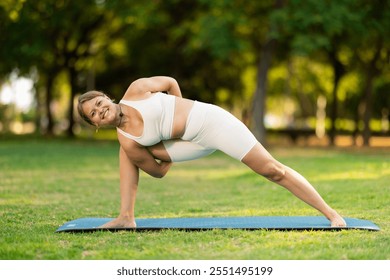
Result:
72,81
371,72
260,94
367,108
356,131
259,99
38,109
338,72
48,100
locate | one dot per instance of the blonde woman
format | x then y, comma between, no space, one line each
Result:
165,126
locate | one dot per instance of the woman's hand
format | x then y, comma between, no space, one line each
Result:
165,166
154,84
121,222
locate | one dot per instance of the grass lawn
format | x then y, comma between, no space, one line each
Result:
44,183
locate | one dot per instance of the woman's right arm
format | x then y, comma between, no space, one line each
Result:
132,158
129,177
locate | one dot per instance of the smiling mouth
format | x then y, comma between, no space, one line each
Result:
104,114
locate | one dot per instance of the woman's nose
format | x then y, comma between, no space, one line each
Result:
101,111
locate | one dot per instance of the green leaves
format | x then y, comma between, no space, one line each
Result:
207,45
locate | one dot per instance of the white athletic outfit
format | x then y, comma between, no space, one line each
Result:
208,128
157,113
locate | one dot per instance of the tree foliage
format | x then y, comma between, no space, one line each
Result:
210,47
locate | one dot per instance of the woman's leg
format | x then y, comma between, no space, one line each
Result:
260,161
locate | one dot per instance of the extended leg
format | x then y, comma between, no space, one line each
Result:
259,160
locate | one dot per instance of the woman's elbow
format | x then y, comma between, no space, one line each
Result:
158,175
162,173
164,170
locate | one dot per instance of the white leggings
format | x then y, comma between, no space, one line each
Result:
211,128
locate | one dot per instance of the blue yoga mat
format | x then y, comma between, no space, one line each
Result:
250,223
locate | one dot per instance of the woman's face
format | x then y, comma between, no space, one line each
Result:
100,110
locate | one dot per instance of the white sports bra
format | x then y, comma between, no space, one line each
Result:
157,113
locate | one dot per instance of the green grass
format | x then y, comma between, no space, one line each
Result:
46,183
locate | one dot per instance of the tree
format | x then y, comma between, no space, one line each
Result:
313,33
185,39
372,54
206,45
57,36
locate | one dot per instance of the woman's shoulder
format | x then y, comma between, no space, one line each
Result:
126,143
134,151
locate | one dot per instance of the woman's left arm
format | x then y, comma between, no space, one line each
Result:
154,84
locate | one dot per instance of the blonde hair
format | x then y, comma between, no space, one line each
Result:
84,98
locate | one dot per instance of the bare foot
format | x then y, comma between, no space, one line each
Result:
120,222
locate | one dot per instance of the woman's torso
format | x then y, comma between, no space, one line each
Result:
158,117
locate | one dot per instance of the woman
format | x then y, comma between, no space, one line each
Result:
146,116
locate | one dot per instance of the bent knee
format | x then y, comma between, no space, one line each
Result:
274,171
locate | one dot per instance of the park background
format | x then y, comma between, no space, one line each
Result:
315,67
310,78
